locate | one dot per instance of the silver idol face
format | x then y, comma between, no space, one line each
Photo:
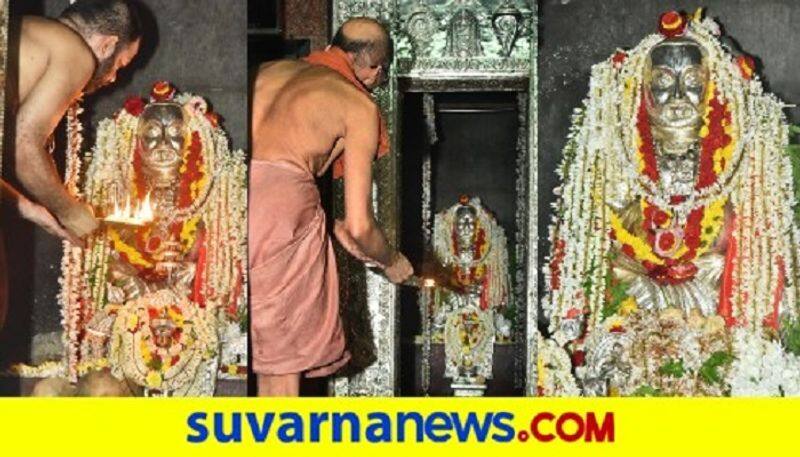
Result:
466,218
676,81
162,136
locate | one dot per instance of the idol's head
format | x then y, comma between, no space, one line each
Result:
676,80
162,137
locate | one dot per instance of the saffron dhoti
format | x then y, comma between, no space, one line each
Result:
295,325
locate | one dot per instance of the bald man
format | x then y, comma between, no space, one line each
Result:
308,116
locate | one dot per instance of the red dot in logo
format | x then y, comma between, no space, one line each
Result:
523,436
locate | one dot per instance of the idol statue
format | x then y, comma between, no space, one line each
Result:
674,249
158,297
471,246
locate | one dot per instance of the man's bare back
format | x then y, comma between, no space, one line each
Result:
45,44
302,114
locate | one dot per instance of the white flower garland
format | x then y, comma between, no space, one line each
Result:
132,346
599,168
72,285
762,368
554,371
221,211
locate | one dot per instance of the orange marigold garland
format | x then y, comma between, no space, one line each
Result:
715,139
747,66
559,253
192,172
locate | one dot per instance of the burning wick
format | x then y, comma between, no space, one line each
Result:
428,282
139,214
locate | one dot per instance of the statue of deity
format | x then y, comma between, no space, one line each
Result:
158,296
171,263
471,246
675,239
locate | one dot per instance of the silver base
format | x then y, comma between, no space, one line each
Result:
468,390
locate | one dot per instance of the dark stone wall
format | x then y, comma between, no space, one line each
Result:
575,34
307,19
199,45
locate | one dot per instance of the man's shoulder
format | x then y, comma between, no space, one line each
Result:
313,80
274,74
334,91
334,85
51,31
59,41
278,68
315,84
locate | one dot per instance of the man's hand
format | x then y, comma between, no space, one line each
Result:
40,216
79,220
399,270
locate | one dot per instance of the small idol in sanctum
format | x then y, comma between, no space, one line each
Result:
158,300
469,317
674,268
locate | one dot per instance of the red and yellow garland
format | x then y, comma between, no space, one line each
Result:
155,358
476,273
703,223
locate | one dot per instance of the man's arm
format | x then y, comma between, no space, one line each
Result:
359,233
36,120
32,212
360,147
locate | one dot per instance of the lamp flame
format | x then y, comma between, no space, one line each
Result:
139,213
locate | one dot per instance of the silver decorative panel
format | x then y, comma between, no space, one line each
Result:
463,38
532,311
